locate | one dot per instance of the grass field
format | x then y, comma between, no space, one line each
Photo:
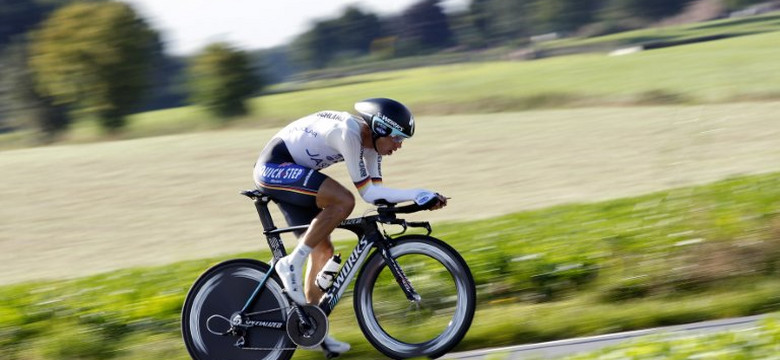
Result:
732,70
649,272
74,209
734,27
79,209
760,342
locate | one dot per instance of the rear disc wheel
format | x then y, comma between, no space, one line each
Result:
213,303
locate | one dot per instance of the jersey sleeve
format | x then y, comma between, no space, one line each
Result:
374,165
366,175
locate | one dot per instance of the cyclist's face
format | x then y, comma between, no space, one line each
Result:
386,145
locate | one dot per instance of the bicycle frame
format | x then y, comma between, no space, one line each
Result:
368,237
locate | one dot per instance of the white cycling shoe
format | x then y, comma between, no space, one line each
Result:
292,279
334,345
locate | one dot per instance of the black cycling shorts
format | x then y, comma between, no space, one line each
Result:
292,186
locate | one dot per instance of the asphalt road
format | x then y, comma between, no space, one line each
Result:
557,349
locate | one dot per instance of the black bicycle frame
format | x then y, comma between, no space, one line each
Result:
368,237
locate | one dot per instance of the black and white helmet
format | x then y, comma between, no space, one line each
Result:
386,117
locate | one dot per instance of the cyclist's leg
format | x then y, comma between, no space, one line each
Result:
319,256
336,203
310,190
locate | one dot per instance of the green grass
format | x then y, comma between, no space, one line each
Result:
757,343
133,314
734,27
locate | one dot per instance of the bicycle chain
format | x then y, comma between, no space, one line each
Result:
241,341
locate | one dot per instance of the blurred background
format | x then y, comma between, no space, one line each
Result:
613,164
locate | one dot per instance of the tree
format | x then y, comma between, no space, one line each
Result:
19,16
355,30
480,19
425,25
563,15
222,80
315,48
649,9
94,57
21,102
349,35
501,21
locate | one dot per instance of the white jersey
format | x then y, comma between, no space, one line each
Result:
328,137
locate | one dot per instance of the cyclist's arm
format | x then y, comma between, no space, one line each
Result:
374,165
349,145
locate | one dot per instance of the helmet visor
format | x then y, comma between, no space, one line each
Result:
381,128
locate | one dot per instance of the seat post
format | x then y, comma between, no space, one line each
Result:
274,240
261,204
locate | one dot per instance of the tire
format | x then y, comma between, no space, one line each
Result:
219,293
397,327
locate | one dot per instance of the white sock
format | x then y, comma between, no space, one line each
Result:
299,255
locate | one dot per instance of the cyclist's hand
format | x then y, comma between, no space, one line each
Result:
431,200
442,202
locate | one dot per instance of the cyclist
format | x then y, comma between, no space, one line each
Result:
288,169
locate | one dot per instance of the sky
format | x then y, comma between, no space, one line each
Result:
187,26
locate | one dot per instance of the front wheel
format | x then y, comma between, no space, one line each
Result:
430,326
219,295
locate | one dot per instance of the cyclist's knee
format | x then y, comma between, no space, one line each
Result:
336,199
347,204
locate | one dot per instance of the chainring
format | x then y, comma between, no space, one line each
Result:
300,334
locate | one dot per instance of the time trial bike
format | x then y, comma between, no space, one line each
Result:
414,295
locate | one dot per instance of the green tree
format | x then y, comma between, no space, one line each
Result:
480,19
349,35
23,103
94,57
355,30
649,9
316,47
563,15
501,21
425,26
222,80
19,16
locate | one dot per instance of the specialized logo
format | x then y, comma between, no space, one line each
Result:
350,263
267,324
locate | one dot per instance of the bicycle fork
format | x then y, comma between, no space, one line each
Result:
399,275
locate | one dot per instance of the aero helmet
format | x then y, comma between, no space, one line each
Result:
386,117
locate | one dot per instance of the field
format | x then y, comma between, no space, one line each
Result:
577,220
732,70
76,210
675,256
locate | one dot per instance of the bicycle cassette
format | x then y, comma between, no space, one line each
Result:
307,335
